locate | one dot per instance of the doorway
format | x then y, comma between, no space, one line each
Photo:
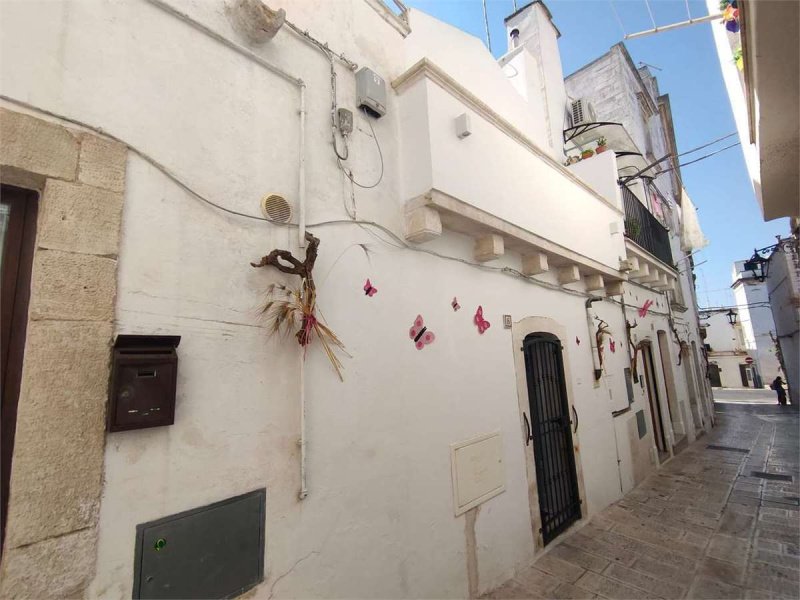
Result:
714,375
693,388
652,396
551,429
746,373
18,209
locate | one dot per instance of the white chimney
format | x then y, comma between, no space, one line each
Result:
531,27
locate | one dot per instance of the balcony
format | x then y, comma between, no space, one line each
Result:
644,229
497,185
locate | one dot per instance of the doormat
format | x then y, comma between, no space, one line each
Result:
729,448
773,476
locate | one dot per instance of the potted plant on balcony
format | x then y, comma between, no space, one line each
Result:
601,145
632,227
588,153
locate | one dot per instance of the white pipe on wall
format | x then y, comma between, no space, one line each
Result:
301,192
301,187
302,441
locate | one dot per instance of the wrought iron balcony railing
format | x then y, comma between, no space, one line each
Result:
644,229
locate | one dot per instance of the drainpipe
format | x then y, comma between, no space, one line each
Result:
302,441
301,184
598,371
301,200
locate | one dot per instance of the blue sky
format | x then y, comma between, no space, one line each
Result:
690,74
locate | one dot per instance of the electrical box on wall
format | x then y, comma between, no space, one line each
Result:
216,551
477,471
370,92
144,376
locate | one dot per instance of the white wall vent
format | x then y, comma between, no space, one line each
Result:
582,112
276,208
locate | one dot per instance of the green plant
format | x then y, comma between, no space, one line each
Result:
633,227
601,141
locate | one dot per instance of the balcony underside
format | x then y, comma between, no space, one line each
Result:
429,214
646,269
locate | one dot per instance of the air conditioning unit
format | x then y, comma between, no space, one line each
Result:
582,112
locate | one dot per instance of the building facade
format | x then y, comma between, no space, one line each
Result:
757,324
502,326
783,289
759,62
729,363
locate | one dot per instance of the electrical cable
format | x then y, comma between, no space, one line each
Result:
652,19
673,157
710,155
616,14
397,241
380,155
724,137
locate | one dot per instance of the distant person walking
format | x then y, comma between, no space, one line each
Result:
777,385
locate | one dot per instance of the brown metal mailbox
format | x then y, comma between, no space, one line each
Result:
143,380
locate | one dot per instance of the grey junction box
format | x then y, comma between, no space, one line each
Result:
371,92
216,551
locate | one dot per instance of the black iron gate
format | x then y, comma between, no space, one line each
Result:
556,478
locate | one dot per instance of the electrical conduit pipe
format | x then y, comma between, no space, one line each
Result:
301,192
598,371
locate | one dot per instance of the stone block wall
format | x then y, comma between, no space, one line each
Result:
57,471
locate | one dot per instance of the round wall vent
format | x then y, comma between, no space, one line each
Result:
276,208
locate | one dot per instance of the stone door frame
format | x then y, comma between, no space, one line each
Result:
57,470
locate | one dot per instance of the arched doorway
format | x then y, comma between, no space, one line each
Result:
551,432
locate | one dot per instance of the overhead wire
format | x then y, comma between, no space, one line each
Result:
619,20
396,241
649,10
695,149
705,156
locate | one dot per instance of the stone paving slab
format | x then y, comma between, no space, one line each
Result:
703,526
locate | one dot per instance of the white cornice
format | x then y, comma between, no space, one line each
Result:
425,68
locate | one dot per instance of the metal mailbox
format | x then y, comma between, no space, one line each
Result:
143,380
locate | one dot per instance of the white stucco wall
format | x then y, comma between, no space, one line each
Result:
755,318
784,290
735,88
378,521
722,336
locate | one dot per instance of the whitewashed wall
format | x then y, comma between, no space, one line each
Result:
379,517
757,324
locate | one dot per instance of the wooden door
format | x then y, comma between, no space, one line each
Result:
18,208
652,395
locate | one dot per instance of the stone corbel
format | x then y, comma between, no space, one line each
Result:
422,224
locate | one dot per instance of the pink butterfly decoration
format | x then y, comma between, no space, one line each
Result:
612,345
577,340
645,307
456,306
482,323
420,334
369,289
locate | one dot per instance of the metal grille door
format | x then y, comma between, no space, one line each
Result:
556,479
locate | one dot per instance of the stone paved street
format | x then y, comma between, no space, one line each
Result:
708,524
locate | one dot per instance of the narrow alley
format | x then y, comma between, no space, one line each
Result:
720,520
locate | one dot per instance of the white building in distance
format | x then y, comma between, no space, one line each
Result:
757,325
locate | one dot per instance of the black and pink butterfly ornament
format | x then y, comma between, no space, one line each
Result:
421,335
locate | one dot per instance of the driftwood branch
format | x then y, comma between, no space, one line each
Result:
295,267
